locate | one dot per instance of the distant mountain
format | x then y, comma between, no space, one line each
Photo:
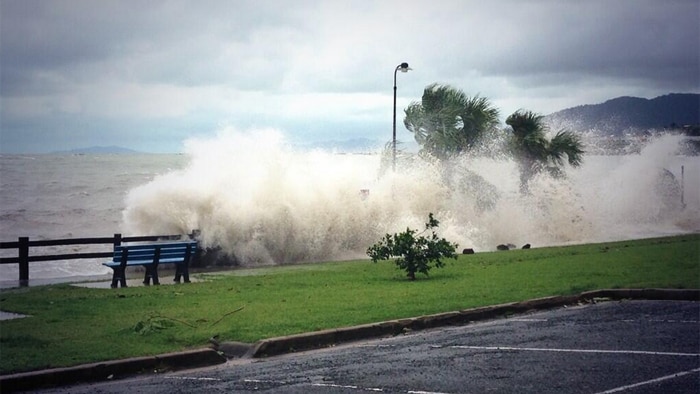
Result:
631,115
99,150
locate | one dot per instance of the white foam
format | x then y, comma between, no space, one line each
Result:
259,200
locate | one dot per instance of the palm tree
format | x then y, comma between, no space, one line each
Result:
447,122
535,153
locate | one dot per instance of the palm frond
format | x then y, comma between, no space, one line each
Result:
526,122
569,144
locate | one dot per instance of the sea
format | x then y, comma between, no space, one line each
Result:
259,201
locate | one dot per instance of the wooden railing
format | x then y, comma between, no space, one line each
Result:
23,245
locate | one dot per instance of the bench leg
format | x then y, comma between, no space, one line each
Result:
118,276
115,278
155,276
151,274
181,271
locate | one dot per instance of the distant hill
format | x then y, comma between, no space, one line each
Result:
624,115
98,150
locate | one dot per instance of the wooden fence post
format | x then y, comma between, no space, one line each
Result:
23,261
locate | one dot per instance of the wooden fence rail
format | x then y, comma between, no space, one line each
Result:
23,245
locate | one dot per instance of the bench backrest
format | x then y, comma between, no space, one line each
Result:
171,250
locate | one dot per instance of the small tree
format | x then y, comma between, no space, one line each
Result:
414,253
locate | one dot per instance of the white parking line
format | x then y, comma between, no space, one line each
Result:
338,386
192,378
660,321
280,382
345,387
534,349
424,392
661,379
369,388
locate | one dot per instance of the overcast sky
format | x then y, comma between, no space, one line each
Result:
149,74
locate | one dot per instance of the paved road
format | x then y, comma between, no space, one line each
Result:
610,347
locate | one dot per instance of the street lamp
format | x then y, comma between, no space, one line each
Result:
404,68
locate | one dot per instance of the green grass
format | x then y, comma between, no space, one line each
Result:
73,325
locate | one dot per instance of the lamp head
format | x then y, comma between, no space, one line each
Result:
404,67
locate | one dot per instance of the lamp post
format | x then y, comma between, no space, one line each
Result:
404,68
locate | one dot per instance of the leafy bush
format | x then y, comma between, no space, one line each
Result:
414,252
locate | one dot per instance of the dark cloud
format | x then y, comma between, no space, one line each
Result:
640,40
162,64
159,41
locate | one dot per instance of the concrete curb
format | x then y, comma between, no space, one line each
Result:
325,338
320,339
109,370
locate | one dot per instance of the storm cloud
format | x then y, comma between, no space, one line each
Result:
148,75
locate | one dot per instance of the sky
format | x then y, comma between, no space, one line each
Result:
150,75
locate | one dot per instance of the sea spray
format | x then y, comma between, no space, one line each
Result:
640,194
261,202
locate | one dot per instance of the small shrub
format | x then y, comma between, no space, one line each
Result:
414,252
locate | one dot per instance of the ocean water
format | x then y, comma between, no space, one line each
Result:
69,196
261,202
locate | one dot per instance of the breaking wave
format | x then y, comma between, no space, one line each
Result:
259,201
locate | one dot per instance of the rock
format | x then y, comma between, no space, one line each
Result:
468,251
502,247
526,246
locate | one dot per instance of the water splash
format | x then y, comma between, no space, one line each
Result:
261,202
640,195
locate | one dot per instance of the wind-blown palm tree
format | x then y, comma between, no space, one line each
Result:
535,153
447,122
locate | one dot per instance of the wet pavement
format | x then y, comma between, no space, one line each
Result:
608,347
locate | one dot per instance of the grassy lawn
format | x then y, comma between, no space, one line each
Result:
72,325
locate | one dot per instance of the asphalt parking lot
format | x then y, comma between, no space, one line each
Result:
608,347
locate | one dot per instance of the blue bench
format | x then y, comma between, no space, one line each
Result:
150,256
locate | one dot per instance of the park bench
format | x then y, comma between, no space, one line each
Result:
150,256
